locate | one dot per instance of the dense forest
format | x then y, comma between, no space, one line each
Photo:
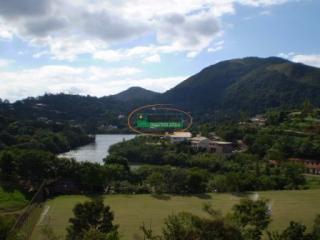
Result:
38,133
171,168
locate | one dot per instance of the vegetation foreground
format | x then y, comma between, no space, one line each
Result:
131,211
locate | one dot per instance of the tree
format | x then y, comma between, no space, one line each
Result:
186,226
5,225
148,233
293,174
275,117
7,163
252,217
218,229
295,231
196,182
306,107
93,177
316,227
36,165
180,227
178,181
116,159
157,181
94,234
90,215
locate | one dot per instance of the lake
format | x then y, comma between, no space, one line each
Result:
97,151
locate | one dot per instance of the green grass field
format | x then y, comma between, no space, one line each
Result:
133,210
11,200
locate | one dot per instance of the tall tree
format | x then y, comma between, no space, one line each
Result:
252,217
90,215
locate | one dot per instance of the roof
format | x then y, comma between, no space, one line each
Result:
198,139
181,135
221,142
308,163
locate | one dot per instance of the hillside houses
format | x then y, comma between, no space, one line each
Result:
219,147
201,143
177,137
258,120
311,166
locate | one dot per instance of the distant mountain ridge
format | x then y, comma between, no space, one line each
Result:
251,85
135,93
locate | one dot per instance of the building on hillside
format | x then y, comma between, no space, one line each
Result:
200,143
213,136
311,166
177,137
258,120
221,147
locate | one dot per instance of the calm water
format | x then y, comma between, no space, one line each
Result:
97,151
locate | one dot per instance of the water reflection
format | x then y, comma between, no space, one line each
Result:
97,151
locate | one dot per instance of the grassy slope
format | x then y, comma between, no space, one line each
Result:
11,200
131,211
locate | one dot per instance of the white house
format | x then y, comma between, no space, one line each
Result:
199,142
177,137
259,120
221,147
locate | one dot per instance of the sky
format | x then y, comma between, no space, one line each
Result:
102,47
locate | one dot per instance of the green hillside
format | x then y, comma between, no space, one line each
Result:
249,84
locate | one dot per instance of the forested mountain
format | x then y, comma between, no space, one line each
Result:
85,110
135,94
249,84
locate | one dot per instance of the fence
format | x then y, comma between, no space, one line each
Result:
28,219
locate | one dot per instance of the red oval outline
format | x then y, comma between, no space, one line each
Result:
157,105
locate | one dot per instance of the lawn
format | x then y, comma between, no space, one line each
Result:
133,210
11,200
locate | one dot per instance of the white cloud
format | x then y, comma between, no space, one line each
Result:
60,78
216,47
142,52
71,28
5,62
193,32
308,59
263,3
68,48
110,55
286,55
82,80
5,32
312,60
40,54
152,59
